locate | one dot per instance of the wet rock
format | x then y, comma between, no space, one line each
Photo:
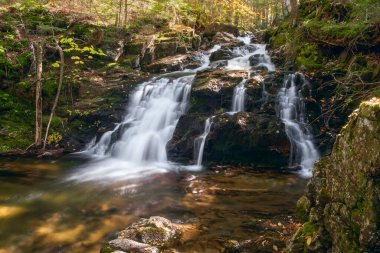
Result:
213,89
221,54
248,138
126,245
344,190
155,231
256,59
242,138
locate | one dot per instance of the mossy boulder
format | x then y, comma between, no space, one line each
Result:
145,236
344,192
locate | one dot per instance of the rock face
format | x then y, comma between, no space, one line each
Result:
342,200
253,137
145,236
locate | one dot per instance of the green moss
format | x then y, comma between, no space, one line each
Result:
308,228
106,249
309,57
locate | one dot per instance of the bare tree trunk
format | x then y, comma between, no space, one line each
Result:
125,13
293,12
119,15
38,133
62,59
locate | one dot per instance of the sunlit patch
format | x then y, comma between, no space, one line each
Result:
10,211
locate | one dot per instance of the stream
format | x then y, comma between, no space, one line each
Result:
77,202
39,212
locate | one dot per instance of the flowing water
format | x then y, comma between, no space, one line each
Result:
241,62
41,213
137,146
75,203
292,114
199,144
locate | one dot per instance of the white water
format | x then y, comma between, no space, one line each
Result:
242,62
137,145
199,142
292,114
238,99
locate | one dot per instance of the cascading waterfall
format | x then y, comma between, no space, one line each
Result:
137,145
292,113
241,62
238,99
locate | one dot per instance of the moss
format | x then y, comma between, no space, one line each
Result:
302,208
309,57
309,228
106,249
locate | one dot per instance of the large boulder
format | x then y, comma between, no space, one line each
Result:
242,138
221,54
246,138
342,200
213,89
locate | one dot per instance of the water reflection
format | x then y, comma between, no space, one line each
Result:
40,212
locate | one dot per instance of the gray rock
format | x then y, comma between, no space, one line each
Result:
127,245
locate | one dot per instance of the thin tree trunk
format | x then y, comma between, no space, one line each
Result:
38,102
62,59
293,12
125,13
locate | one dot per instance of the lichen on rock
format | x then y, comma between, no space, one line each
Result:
344,192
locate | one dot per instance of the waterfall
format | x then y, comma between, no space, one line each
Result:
238,99
137,145
292,113
199,142
241,62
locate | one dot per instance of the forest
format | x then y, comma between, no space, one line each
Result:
189,126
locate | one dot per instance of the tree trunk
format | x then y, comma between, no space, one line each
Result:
293,12
62,59
39,53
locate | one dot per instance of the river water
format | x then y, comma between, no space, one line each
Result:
39,212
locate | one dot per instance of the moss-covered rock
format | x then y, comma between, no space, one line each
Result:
145,236
344,193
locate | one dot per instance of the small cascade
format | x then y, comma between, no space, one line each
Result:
291,110
199,143
257,52
238,100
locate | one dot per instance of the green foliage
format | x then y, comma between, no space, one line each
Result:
54,138
308,229
309,56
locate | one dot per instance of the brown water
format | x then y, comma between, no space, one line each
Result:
39,212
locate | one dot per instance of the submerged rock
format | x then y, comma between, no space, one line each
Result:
342,201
